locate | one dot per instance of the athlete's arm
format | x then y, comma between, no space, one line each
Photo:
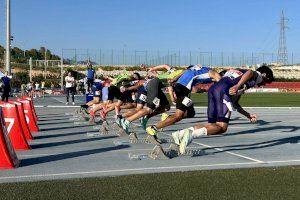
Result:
240,109
247,76
160,68
135,87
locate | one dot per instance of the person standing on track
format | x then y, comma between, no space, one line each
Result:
5,86
70,87
90,74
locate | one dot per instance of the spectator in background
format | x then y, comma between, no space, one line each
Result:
43,88
5,86
70,81
23,89
52,86
37,90
90,74
29,88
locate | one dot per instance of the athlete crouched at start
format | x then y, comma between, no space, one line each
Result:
220,103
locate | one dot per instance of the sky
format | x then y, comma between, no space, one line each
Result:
207,25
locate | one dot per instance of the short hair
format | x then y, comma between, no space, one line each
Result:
269,73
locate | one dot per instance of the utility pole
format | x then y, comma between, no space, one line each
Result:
282,57
8,38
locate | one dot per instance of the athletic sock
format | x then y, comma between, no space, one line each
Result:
199,132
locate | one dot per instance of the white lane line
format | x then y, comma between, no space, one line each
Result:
228,152
127,170
231,153
281,161
147,169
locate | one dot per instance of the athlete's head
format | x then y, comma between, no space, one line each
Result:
136,76
265,75
89,65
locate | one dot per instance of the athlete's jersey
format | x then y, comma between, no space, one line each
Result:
194,75
234,76
96,88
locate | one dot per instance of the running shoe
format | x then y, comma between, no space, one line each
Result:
144,121
185,141
164,116
150,130
176,137
125,125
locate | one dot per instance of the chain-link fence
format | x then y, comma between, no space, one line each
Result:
177,58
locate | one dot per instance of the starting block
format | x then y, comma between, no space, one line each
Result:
158,153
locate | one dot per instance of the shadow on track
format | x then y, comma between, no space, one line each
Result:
57,157
54,144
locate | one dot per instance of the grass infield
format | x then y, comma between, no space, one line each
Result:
258,99
256,183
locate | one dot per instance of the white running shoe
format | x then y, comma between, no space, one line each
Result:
176,138
186,140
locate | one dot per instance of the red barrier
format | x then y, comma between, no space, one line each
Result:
8,157
14,127
32,107
28,111
24,119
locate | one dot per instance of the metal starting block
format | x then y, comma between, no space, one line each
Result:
133,139
158,153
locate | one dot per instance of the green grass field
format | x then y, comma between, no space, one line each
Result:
258,99
240,184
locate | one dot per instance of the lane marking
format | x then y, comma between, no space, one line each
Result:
228,152
125,170
148,169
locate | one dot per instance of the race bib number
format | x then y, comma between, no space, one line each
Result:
97,93
156,101
143,97
187,102
232,74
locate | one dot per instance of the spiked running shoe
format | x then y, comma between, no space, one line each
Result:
151,131
186,140
118,121
176,138
144,121
164,116
102,114
124,125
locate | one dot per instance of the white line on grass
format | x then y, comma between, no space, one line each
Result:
144,169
